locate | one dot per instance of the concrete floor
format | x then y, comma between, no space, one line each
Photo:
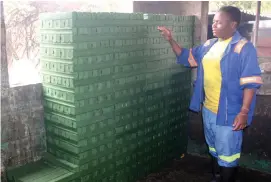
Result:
197,169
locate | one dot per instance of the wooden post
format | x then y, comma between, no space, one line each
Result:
256,25
4,62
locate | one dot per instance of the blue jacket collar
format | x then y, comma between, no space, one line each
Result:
236,37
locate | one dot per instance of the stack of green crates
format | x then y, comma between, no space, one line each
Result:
116,102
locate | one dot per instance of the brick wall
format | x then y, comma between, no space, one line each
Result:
22,125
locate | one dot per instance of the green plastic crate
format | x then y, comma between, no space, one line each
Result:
116,102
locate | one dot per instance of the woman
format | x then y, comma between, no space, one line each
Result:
228,75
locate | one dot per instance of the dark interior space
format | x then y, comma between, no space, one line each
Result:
196,169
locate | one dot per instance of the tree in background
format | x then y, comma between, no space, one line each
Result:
22,25
246,6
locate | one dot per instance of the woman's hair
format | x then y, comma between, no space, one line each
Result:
233,12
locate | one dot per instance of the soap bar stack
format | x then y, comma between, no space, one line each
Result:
116,102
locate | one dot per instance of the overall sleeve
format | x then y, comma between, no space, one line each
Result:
250,70
189,57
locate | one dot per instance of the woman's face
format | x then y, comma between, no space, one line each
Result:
223,26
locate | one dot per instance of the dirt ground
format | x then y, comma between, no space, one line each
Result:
197,169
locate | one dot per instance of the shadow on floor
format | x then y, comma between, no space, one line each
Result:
197,169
